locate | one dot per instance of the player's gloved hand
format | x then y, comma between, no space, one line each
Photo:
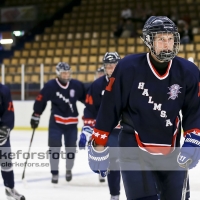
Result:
98,160
4,134
85,136
190,151
35,119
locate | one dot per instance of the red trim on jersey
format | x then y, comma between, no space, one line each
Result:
118,126
155,149
100,137
165,74
62,86
159,149
192,130
110,84
155,71
65,120
89,122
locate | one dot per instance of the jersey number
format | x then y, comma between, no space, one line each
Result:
10,107
109,86
39,97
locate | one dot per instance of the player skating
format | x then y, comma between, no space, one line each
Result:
93,102
149,90
63,92
6,125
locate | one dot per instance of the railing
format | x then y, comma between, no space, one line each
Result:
22,90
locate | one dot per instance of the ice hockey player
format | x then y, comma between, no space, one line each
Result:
63,92
6,125
93,102
149,90
100,72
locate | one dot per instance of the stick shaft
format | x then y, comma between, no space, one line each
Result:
23,174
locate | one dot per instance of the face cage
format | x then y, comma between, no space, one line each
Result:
163,55
61,79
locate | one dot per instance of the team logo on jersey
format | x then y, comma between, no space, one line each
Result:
62,97
72,93
174,90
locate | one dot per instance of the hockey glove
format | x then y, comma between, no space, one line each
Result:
190,151
98,160
4,134
35,119
85,136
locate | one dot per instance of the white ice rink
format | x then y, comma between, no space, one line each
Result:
84,185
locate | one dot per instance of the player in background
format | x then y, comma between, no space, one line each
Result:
148,90
92,103
6,125
99,72
63,92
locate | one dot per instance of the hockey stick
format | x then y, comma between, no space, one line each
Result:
23,175
184,190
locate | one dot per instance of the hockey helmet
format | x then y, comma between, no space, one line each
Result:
63,67
100,72
111,57
157,25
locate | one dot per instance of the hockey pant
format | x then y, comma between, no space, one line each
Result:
114,173
139,170
6,165
55,143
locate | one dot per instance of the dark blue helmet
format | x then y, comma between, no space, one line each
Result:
111,57
62,67
100,72
159,24
156,25
100,69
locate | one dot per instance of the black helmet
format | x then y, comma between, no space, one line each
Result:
111,57
156,25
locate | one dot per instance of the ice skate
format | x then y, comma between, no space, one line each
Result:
54,178
114,197
68,175
12,194
101,179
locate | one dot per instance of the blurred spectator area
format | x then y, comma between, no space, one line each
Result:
83,36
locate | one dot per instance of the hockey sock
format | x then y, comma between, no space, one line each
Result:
54,172
8,178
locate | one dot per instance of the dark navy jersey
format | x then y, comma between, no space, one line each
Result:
93,100
63,100
6,107
150,103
